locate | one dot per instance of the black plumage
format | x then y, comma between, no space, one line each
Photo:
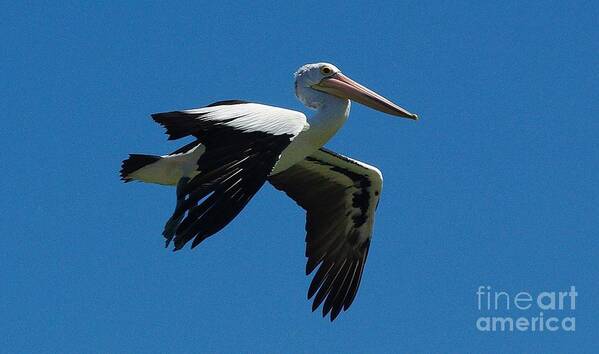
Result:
233,168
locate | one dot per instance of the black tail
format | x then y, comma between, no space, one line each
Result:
134,163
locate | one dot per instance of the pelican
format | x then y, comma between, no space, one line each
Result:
240,145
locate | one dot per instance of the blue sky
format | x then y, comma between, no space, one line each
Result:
495,185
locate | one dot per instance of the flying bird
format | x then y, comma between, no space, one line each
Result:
240,145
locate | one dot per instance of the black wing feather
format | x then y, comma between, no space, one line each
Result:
232,171
339,196
233,168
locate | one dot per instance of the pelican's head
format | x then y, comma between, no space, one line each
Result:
327,78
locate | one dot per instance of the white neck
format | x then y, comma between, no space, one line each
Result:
331,114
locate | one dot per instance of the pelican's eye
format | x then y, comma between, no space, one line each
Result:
325,70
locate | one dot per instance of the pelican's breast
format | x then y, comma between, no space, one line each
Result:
323,126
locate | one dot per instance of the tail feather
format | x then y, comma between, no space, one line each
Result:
134,163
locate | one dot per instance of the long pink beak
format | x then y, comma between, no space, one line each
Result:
344,87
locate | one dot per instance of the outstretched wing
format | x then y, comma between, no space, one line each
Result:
340,196
243,142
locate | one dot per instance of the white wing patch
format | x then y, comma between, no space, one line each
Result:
252,117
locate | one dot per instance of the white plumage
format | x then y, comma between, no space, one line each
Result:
240,145
251,117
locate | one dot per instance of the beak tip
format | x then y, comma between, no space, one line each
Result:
411,116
